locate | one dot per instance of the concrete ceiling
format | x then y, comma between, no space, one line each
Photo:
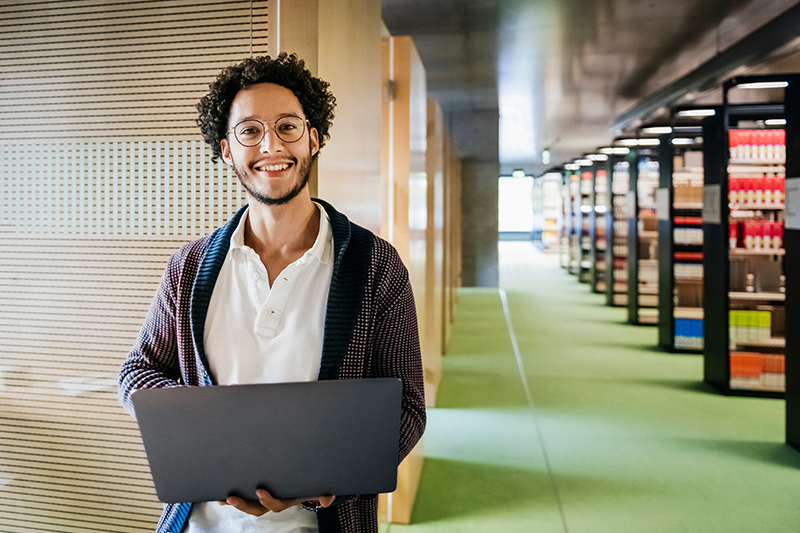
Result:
558,72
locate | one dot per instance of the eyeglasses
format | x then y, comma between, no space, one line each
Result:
251,132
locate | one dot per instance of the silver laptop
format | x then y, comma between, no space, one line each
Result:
296,440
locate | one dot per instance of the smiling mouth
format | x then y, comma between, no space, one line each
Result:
272,168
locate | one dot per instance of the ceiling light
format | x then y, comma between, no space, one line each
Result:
518,173
656,130
764,85
682,141
775,122
584,162
571,166
614,150
638,142
697,113
598,157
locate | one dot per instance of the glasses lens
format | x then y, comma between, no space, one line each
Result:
249,132
290,129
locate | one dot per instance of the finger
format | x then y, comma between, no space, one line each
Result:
250,507
326,501
275,505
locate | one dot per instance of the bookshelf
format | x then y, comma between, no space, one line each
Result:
680,235
617,231
585,214
745,291
598,224
564,220
573,199
642,261
548,187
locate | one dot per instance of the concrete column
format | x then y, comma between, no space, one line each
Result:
476,136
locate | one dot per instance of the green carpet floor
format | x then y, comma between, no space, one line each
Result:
590,429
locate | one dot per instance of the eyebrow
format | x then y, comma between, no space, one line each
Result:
282,115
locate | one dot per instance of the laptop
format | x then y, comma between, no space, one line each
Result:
296,440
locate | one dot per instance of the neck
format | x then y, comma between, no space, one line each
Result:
286,229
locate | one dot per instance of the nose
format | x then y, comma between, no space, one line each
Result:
271,143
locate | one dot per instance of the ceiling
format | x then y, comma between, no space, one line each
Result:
559,72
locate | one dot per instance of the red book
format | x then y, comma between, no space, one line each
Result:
748,235
777,236
733,189
689,256
761,144
733,142
750,186
769,187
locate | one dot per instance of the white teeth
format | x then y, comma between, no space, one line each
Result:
274,168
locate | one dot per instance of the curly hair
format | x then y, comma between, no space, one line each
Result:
285,70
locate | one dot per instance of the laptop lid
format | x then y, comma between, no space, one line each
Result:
296,440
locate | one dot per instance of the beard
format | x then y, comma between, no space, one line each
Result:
303,173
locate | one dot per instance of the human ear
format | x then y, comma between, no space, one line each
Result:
313,136
226,151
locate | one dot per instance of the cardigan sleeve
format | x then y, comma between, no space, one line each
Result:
396,342
153,360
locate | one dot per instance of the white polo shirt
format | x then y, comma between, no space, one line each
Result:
255,333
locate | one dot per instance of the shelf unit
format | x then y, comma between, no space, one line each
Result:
617,231
642,236
549,205
572,199
564,220
745,296
680,238
584,227
598,226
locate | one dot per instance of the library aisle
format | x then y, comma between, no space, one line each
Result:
586,427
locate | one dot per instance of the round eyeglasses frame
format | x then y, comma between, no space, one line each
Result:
275,129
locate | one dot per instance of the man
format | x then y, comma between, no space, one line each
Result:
288,290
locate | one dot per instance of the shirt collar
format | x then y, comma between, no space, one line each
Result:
323,245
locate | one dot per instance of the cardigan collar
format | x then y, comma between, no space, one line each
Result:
213,258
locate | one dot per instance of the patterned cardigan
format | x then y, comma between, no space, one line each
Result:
370,331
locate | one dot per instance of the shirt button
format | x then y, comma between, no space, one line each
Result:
268,312
255,275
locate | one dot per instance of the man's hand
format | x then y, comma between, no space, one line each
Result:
266,503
